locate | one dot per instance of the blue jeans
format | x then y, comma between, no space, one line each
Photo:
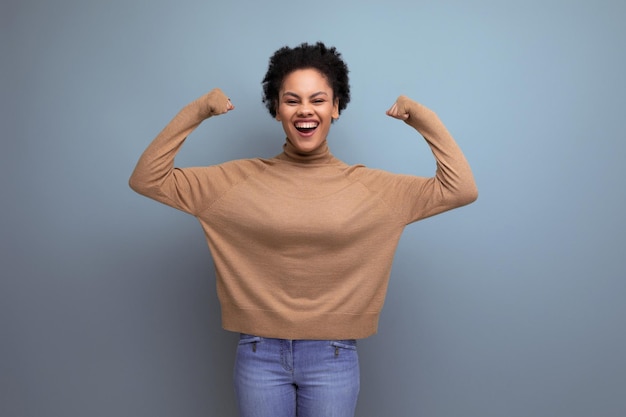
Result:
288,378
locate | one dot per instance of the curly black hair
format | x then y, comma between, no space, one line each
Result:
320,57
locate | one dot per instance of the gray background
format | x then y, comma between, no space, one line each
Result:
513,306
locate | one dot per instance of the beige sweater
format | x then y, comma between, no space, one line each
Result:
303,243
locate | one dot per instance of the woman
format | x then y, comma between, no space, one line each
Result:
302,242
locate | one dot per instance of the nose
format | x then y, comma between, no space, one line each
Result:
305,109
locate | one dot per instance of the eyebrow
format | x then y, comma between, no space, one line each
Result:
289,93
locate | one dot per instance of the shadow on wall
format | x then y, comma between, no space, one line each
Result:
183,357
123,323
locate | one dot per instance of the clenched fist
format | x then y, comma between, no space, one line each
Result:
214,103
400,109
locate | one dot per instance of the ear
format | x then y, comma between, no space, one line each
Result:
335,114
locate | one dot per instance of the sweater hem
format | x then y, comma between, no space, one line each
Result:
299,325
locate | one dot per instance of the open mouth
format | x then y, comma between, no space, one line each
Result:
306,127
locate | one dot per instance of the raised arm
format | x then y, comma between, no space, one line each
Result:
155,175
453,184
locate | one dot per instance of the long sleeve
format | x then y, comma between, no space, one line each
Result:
155,175
453,181
416,197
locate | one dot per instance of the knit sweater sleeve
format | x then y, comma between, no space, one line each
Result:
187,189
452,186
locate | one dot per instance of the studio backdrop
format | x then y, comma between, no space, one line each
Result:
513,306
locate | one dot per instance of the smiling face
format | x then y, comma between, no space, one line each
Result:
306,107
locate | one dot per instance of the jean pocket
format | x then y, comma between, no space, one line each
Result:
344,356
246,339
343,344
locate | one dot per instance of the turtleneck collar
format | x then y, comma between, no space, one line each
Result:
320,155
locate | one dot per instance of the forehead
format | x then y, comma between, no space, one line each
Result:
305,80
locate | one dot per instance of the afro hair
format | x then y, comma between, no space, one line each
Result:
324,59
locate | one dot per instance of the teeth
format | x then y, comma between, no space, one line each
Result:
306,125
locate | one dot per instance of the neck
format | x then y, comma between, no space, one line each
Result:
319,155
